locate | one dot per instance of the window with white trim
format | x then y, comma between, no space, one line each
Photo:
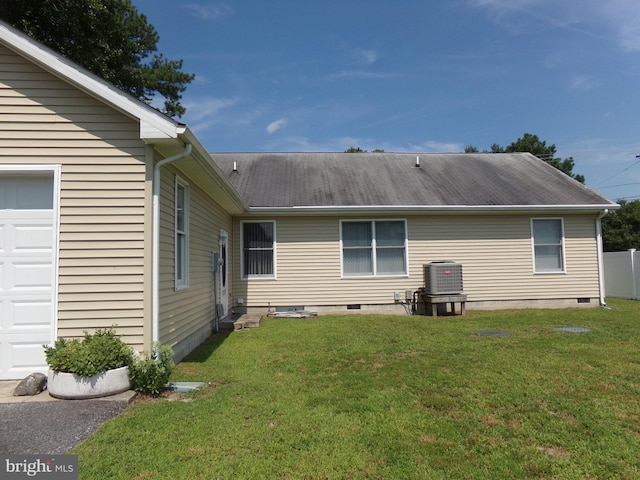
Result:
548,245
258,249
373,248
181,233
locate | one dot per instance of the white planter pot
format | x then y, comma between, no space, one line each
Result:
70,386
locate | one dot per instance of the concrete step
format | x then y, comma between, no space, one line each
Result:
247,320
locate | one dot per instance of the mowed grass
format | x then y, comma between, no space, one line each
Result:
395,397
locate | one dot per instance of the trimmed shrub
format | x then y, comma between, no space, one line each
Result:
96,353
150,372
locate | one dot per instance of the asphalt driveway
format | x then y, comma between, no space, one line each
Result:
52,427
44,425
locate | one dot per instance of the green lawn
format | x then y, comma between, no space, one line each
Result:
395,397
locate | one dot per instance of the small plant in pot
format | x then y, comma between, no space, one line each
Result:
95,366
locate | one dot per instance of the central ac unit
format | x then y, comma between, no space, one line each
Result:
443,277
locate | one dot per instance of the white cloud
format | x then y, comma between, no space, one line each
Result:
299,143
501,6
621,18
201,108
624,17
273,127
295,144
200,80
528,16
204,113
367,57
630,37
582,84
499,9
340,144
432,146
360,74
208,12
429,146
303,143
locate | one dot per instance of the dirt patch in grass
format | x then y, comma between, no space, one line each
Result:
553,451
171,396
166,396
493,421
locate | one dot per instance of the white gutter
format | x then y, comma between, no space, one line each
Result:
322,209
155,313
603,302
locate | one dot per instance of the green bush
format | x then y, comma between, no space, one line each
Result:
150,372
95,353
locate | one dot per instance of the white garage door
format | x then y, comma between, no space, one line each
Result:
27,273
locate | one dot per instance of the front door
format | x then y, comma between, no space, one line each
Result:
224,273
27,271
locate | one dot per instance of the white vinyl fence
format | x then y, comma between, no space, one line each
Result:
622,274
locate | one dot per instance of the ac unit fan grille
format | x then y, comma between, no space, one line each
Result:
443,278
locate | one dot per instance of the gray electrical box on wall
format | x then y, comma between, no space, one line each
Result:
443,277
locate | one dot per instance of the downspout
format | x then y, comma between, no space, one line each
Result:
155,314
603,303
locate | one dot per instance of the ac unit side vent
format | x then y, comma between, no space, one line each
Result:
442,278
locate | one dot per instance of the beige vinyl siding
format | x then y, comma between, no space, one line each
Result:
497,256
188,310
308,269
102,198
496,253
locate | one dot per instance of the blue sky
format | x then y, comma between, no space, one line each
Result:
413,76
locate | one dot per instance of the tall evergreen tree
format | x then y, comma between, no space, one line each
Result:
107,37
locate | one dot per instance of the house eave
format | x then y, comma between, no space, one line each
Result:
233,203
153,124
432,209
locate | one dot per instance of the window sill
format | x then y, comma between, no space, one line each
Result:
373,277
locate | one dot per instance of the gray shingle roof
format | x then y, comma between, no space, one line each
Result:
280,180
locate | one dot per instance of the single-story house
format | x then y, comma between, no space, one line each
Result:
114,214
352,231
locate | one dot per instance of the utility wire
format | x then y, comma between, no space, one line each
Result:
616,174
619,185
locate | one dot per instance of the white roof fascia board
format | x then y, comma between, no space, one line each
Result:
440,209
153,124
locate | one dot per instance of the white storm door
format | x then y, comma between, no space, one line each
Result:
27,271
224,272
